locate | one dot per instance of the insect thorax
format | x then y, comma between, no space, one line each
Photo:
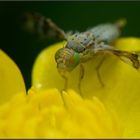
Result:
79,41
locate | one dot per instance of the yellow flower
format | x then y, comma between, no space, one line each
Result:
11,81
45,112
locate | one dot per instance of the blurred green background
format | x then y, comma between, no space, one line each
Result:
23,47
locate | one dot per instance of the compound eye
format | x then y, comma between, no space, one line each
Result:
67,59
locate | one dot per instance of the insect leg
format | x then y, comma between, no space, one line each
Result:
65,77
66,83
98,72
81,76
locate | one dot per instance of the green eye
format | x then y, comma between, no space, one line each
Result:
67,59
72,61
76,58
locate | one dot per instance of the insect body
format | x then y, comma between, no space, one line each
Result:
81,47
85,45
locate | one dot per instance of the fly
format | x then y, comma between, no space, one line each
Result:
81,47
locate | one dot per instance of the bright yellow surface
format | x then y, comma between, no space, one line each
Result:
122,82
11,80
42,114
103,112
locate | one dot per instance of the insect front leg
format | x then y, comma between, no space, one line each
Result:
64,75
65,83
81,76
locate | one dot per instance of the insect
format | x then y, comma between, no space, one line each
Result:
81,47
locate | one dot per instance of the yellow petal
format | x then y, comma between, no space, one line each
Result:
130,100
121,91
128,44
45,74
11,80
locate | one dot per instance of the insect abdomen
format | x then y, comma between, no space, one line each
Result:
106,32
